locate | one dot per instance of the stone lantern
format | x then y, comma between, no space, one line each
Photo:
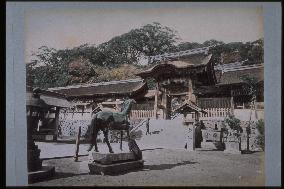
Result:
35,112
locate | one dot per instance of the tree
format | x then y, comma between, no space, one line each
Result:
47,69
188,45
153,39
149,40
261,136
252,85
80,70
212,42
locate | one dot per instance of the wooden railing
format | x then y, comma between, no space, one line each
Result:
141,113
216,112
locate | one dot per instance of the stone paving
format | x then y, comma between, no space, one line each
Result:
167,163
168,167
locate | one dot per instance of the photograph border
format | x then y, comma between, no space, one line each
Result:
16,168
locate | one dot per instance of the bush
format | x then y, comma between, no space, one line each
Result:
261,136
234,123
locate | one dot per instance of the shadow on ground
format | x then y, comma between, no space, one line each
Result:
150,149
58,175
167,166
208,150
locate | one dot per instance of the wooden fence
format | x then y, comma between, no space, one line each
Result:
216,112
142,113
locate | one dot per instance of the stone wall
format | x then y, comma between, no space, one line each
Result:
70,127
69,123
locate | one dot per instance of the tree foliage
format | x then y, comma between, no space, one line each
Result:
108,61
252,85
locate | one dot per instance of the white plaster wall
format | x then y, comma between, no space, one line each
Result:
244,114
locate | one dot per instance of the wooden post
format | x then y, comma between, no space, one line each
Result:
56,123
232,103
247,141
165,102
190,90
77,145
156,102
121,135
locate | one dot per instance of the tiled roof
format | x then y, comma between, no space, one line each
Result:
235,75
49,98
103,88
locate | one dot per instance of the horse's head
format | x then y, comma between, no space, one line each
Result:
127,105
132,101
128,102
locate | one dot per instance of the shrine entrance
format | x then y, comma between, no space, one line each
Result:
179,79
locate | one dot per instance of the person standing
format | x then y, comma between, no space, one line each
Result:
216,127
147,126
198,135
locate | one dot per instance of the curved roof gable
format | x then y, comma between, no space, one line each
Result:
194,61
104,88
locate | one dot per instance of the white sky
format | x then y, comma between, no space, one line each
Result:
66,28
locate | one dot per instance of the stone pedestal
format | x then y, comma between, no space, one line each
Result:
42,174
232,147
109,164
115,163
233,143
212,146
108,158
34,161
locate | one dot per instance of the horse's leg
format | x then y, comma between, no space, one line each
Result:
91,139
106,138
95,139
128,135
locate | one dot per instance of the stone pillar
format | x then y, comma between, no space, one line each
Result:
190,134
191,138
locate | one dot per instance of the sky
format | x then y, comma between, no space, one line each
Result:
66,28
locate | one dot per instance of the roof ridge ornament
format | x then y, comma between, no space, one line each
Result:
162,57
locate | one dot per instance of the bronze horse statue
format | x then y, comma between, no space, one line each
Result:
107,120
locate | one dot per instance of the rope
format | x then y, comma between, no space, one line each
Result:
138,125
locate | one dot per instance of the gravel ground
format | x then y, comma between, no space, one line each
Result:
168,167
